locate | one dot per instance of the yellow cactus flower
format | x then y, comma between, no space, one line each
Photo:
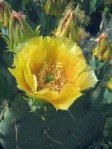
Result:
53,70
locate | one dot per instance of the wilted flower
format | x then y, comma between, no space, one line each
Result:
53,70
54,7
19,29
103,51
68,28
5,11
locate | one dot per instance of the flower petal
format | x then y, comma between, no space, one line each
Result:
18,71
30,78
90,81
66,97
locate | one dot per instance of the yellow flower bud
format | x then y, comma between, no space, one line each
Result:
47,7
67,27
103,45
103,48
54,7
106,55
109,84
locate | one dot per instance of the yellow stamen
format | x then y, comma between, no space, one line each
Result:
56,72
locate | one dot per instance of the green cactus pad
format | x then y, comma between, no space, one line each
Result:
71,129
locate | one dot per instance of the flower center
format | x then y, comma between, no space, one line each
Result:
51,76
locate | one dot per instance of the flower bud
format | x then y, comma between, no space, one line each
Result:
5,11
67,27
103,48
109,84
54,7
19,29
107,53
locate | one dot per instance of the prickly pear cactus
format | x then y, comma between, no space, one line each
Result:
51,95
22,129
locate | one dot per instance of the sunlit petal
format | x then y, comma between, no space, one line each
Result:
52,70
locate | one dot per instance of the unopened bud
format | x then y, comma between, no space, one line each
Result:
109,84
19,29
5,11
103,49
54,7
107,53
67,27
